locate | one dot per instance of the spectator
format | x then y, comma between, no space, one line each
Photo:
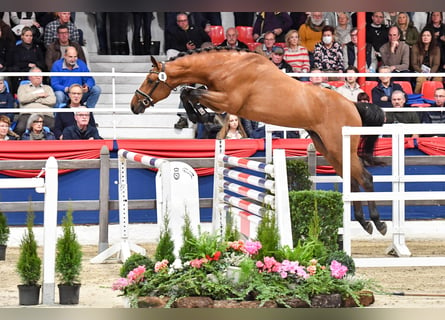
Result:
232,40
320,81
5,129
35,129
141,44
425,58
56,49
376,32
244,18
66,119
277,58
435,116
35,94
101,31
328,54
82,129
350,53
60,84
265,49
310,32
381,93
398,100
363,97
43,18
118,33
276,22
7,34
4,48
6,99
395,53
351,88
343,29
298,19
51,29
438,27
232,128
409,33
27,19
24,56
295,54
183,36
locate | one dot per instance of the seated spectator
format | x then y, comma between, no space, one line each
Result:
351,88
4,48
66,119
296,55
381,93
60,84
310,33
328,54
184,36
409,32
398,100
363,97
320,81
425,58
7,34
265,49
277,58
24,56
276,22
435,116
232,40
51,29
27,19
56,49
35,129
376,31
350,53
35,94
5,129
82,129
395,53
6,100
342,32
438,26
232,128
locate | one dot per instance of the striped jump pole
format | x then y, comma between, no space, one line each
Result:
248,196
177,195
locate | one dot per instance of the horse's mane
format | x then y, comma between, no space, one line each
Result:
210,49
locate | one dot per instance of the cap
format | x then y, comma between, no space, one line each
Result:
277,50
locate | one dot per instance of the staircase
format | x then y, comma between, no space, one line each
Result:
155,123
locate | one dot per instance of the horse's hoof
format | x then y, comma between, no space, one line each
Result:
368,227
381,226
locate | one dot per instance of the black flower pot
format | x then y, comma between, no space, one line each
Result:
29,295
2,252
69,294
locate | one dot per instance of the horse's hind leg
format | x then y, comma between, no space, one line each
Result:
373,212
358,209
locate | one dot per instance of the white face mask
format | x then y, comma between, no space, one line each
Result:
327,39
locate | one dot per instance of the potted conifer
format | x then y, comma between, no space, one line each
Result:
4,235
29,266
68,262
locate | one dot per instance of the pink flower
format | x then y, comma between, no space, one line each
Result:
312,269
252,247
236,245
338,270
136,274
196,263
161,265
120,284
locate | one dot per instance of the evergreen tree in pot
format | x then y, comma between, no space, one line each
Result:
29,266
68,262
4,235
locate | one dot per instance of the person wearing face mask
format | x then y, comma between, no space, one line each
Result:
328,54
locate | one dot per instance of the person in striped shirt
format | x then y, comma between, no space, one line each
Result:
295,54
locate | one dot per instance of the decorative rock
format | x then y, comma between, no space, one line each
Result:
366,298
296,303
152,302
257,304
193,302
326,301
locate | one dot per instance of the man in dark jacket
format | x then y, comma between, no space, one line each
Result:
82,129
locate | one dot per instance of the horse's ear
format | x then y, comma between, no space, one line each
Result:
154,62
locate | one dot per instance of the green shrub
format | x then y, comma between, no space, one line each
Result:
68,253
329,206
4,229
188,238
29,263
268,235
298,175
133,261
165,248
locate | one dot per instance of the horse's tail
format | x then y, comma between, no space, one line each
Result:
372,115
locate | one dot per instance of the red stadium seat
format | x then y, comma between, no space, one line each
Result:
367,87
336,83
253,45
280,44
428,88
216,34
245,34
406,86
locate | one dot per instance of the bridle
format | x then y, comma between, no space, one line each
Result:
162,78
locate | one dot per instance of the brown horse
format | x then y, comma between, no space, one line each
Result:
251,86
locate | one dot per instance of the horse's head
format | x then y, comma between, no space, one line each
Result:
153,89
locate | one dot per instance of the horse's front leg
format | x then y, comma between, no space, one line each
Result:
217,101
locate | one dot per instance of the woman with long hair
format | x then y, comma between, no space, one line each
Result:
408,32
232,128
5,129
425,57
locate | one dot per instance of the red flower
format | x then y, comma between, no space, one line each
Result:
215,257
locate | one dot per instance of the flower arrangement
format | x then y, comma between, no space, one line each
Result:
265,279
